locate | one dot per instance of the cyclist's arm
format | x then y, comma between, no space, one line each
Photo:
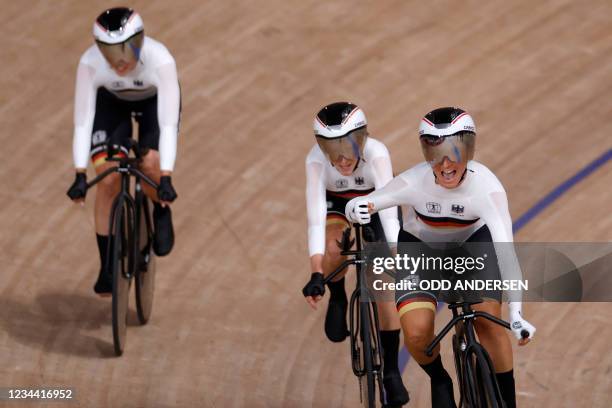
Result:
84,112
316,206
496,216
168,106
395,193
383,174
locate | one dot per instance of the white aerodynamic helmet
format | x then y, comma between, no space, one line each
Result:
119,34
341,130
447,132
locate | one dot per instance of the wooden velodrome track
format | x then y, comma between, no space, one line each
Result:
230,327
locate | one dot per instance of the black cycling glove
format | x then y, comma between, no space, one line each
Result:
78,189
165,191
315,286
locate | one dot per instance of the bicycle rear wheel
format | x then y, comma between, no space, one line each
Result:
122,263
145,272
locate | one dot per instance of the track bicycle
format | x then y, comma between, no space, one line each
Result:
475,372
366,356
130,249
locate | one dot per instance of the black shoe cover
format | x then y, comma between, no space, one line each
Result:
335,320
104,284
396,393
442,395
164,232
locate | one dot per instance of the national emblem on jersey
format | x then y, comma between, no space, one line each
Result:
457,209
341,183
434,208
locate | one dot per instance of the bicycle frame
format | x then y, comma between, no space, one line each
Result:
368,317
125,248
463,321
127,166
467,317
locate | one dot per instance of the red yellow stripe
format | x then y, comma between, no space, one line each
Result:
416,303
445,223
100,158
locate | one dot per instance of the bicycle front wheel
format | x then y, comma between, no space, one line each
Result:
122,263
481,383
371,356
458,351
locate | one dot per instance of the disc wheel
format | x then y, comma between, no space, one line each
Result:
145,273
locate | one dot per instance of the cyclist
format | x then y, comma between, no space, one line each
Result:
125,72
451,198
345,163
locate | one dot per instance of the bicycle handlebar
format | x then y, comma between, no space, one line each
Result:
339,269
123,167
469,316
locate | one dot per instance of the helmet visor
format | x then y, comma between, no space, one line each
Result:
127,52
349,146
457,148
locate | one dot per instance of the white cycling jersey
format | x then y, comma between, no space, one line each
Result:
155,73
433,213
373,171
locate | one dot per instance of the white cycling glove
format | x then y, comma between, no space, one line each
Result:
357,211
517,323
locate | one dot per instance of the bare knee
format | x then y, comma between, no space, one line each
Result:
415,339
417,334
109,186
489,331
150,163
486,329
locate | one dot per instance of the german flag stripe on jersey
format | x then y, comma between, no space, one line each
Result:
349,193
100,158
445,222
419,302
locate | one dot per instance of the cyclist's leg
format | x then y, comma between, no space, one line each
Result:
150,167
336,327
417,322
334,229
389,335
493,337
417,314
417,311
111,121
148,127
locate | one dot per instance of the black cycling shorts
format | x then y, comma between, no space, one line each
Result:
336,204
113,121
480,245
